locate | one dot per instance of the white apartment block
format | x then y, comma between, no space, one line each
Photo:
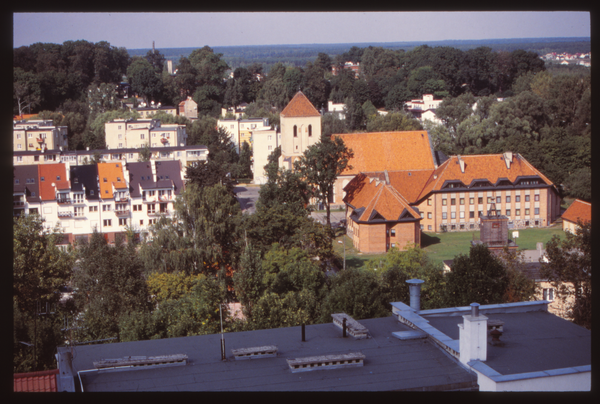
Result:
264,143
39,135
127,133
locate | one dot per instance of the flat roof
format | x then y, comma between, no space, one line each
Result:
390,363
533,341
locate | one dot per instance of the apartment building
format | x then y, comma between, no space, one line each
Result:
148,112
263,144
241,130
108,197
128,133
188,108
39,135
188,155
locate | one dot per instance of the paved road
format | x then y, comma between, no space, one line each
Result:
247,195
335,217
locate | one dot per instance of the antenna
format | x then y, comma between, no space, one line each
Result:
223,356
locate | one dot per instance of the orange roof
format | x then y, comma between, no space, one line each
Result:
109,175
299,106
486,166
43,381
52,174
374,195
392,151
578,210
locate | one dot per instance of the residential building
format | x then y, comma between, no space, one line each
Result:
106,197
188,155
578,211
354,67
188,108
423,108
264,142
39,135
148,112
337,109
126,133
241,130
300,127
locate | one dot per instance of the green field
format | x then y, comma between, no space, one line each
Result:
445,246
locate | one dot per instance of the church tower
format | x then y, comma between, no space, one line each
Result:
300,127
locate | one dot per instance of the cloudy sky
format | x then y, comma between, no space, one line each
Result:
175,30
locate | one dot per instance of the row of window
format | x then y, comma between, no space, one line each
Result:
309,131
123,222
490,199
508,212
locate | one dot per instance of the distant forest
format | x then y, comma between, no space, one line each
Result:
299,55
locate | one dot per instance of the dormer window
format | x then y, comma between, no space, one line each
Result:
118,179
105,180
16,182
91,192
58,178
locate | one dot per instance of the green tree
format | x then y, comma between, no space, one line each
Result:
144,80
520,288
569,270
157,60
356,292
248,279
321,164
478,277
171,286
109,283
393,121
186,77
27,93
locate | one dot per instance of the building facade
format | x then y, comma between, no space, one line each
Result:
300,127
578,211
39,135
128,133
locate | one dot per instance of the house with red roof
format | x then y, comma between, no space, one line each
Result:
36,382
578,211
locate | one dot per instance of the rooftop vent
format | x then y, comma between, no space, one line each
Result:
258,352
353,327
137,361
307,364
414,286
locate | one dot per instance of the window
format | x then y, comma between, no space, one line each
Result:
309,130
78,198
120,136
452,215
536,211
471,201
490,199
58,178
106,208
452,201
163,208
549,294
536,198
270,147
498,212
17,181
120,145
518,198
444,202
444,215
295,131
428,215
107,222
527,212
462,201
393,232
517,212
93,209
480,213
453,227
137,208
429,227
498,199
141,222
123,222
526,198
461,214
429,202
18,136
507,212
19,146
422,215
508,199
105,180
480,201
78,211
472,215
151,208
141,136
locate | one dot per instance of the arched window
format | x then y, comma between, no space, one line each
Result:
295,131
309,130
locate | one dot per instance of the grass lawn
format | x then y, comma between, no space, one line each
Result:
445,246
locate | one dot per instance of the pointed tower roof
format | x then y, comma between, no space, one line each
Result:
299,106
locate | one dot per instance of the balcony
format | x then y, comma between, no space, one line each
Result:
121,198
18,203
63,201
40,140
122,212
165,198
65,214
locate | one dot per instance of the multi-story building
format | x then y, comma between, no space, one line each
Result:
188,155
39,135
148,112
188,108
241,130
108,197
263,144
424,108
126,133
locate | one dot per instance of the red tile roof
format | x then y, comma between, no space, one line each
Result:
392,151
375,195
50,172
489,166
578,210
43,381
299,106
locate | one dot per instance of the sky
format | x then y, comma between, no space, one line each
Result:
181,30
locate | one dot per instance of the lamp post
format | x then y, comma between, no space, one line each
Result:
342,242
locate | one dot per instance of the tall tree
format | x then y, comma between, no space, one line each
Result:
569,270
144,80
321,164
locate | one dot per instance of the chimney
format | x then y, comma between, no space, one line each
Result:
462,164
473,336
387,177
414,286
508,157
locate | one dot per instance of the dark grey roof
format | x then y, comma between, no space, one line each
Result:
23,173
140,173
169,171
87,175
534,341
390,363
